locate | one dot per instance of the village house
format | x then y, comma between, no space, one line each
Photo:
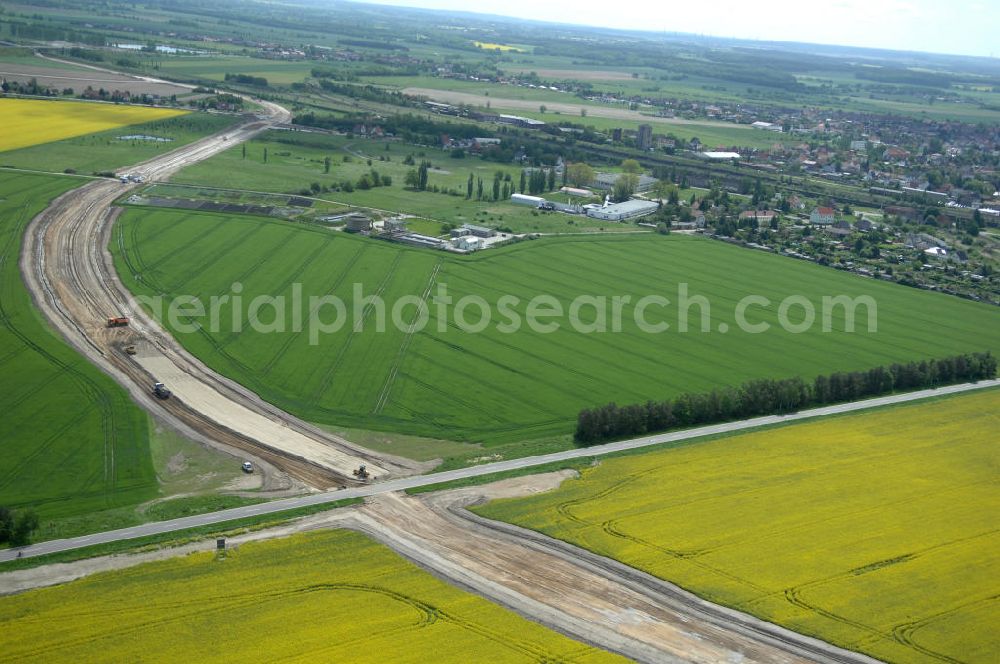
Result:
822,216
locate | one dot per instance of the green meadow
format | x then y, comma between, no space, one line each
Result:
502,386
295,161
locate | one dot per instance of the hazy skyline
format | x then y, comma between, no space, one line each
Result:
963,27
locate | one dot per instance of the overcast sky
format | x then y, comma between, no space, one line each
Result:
965,27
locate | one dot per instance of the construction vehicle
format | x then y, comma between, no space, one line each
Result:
247,467
160,391
361,472
118,321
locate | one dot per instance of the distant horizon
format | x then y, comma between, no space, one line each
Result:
961,28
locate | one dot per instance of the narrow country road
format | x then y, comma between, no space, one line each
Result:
402,484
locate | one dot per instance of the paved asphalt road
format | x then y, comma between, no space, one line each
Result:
276,506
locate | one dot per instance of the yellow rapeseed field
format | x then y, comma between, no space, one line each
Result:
319,597
489,46
879,532
32,121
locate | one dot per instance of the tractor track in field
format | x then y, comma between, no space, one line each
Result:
590,598
71,277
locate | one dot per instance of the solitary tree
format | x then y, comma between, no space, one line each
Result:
265,155
468,187
580,174
326,164
422,176
552,179
624,186
524,182
661,189
631,166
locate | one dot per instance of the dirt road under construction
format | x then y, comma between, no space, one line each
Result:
586,596
69,272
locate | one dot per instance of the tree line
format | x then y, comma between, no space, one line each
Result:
766,396
246,79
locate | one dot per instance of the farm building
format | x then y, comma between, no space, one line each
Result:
479,231
622,211
523,199
418,240
394,225
606,182
573,191
357,223
468,243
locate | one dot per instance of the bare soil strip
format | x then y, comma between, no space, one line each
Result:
80,80
588,597
70,275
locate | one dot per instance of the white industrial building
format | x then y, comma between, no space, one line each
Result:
720,156
621,211
524,199
467,243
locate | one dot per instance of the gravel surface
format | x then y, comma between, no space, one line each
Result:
69,272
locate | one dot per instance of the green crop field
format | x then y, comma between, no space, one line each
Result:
106,150
877,531
319,596
495,386
215,68
73,442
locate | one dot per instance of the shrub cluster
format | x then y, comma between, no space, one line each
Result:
767,397
16,528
